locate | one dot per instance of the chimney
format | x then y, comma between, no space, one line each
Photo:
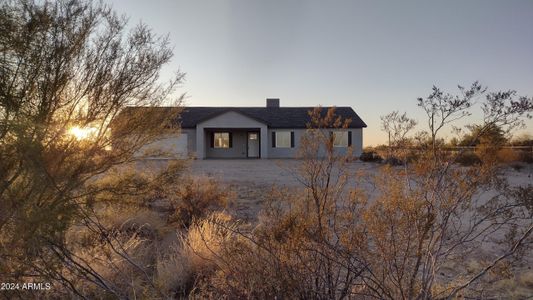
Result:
272,102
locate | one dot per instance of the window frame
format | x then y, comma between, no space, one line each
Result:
221,146
345,138
289,137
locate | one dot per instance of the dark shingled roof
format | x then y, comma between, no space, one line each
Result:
274,117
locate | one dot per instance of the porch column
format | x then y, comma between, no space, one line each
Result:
264,142
200,142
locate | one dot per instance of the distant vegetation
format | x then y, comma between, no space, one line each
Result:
466,147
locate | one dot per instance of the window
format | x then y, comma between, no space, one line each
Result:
283,139
340,139
221,139
252,136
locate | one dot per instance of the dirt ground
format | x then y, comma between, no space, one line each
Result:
252,180
263,172
268,172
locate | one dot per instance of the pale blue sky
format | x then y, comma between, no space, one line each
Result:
375,56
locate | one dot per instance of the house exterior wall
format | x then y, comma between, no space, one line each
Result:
228,120
168,145
240,139
357,143
284,152
191,140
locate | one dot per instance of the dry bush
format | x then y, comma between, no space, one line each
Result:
468,158
420,222
262,269
526,156
100,66
115,261
153,268
328,241
507,155
204,240
307,243
129,218
121,263
196,255
370,156
516,287
287,256
195,198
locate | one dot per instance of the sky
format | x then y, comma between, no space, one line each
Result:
375,56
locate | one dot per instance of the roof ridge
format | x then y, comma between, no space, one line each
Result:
280,117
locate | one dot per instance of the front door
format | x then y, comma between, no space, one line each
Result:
253,144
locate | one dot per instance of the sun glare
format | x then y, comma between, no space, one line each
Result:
82,133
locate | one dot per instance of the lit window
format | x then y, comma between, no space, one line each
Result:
283,139
221,139
340,138
252,136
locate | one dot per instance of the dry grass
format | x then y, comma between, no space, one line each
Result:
195,256
128,218
516,287
132,244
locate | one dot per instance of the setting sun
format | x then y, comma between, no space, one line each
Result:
82,133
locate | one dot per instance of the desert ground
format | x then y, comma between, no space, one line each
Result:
252,179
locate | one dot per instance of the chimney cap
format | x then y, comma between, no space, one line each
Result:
272,102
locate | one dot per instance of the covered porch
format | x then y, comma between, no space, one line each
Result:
231,135
232,142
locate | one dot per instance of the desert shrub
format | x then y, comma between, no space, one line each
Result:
517,166
128,240
527,279
468,158
370,157
328,241
195,198
526,156
394,161
507,155
110,263
195,256
291,254
252,271
204,240
524,196
487,152
133,219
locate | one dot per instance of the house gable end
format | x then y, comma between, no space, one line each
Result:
231,119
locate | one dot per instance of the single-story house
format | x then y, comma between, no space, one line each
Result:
254,132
